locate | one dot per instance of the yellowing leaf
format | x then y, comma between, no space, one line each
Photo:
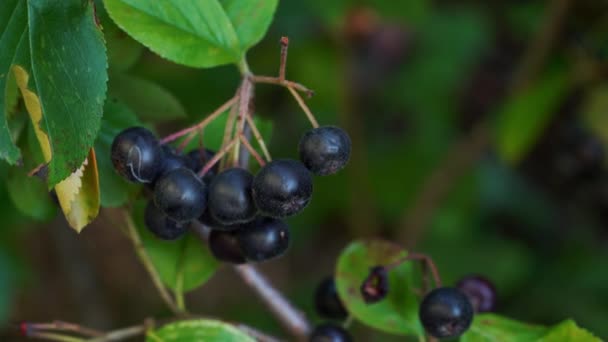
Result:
79,194
32,104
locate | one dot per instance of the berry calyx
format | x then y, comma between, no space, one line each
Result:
325,150
446,312
230,200
330,333
480,291
327,302
282,188
181,195
225,247
161,226
136,155
263,238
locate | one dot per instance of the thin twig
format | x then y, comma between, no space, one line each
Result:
304,107
219,155
245,97
63,326
149,266
229,129
258,137
251,150
201,124
283,64
285,83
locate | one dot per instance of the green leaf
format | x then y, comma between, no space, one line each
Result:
494,328
115,191
185,263
147,99
13,21
398,312
201,33
123,51
30,195
250,19
525,116
198,330
194,33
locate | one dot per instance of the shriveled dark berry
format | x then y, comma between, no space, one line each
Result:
325,150
181,195
446,312
480,291
375,287
225,247
282,188
330,333
230,200
163,227
136,155
327,302
263,238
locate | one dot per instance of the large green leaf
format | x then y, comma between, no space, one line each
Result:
198,330
398,312
525,116
115,191
494,328
147,99
13,21
197,33
185,263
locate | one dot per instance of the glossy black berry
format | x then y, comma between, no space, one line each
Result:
197,160
282,188
330,333
327,302
325,150
172,160
136,155
225,247
480,291
263,238
230,200
446,312
163,227
181,195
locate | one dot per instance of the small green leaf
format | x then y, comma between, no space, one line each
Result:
115,191
198,330
398,312
185,263
147,99
523,119
30,195
194,33
568,331
250,19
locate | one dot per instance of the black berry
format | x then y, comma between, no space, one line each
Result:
198,158
136,155
327,302
330,333
375,287
480,291
446,312
225,247
230,200
263,238
282,188
181,195
325,150
163,227
172,160
207,219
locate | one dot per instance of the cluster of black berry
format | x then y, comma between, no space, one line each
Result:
244,211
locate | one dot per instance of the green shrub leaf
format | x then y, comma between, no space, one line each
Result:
198,330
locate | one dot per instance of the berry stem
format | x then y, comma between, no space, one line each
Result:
245,98
201,124
304,107
283,83
229,129
148,265
258,138
218,156
284,47
61,326
251,150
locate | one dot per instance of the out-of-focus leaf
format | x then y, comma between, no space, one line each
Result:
148,100
115,191
568,331
198,330
185,263
524,117
123,51
594,112
30,195
398,312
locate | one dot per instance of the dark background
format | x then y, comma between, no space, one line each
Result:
421,86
